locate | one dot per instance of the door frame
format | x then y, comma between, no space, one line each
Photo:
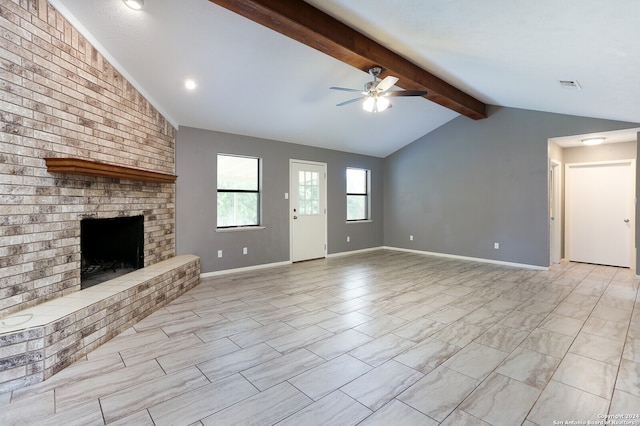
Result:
290,212
632,198
555,201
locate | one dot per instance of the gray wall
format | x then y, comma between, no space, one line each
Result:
196,152
470,183
605,152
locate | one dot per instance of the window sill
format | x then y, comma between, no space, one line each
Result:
359,221
241,228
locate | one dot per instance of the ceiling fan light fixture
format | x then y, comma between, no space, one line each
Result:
376,104
368,104
592,141
382,103
375,92
134,4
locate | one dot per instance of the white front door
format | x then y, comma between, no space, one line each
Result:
308,212
600,212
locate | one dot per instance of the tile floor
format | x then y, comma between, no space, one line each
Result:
379,338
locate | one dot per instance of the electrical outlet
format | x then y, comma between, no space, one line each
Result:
410,237
219,253
348,238
244,250
496,246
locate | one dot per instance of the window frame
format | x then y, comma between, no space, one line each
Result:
366,194
258,192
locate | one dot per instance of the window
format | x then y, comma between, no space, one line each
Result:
358,183
308,192
238,191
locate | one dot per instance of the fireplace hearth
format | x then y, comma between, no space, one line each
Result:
110,248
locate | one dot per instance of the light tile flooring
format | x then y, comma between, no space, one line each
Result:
380,338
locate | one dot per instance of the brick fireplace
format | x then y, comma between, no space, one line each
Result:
59,98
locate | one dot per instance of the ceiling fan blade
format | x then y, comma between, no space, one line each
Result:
350,101
406,93
344,89
386,84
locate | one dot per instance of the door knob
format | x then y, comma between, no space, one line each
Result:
295,217
626,221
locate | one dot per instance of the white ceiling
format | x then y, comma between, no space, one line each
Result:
254,81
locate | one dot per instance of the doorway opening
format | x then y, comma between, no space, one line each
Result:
619,145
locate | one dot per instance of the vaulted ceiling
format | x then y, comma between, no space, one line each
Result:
254,81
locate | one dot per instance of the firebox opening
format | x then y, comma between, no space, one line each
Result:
110,248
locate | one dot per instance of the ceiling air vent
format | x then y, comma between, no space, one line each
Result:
570,84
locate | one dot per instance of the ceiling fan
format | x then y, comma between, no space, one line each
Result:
376,92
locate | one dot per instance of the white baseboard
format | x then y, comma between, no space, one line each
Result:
348,253
245,269
352,252
475,259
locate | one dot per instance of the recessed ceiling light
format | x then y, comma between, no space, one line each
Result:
593,141
190,84
134,4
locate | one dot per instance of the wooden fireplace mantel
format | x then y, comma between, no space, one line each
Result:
94,168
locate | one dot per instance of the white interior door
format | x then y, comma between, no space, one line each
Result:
308,212
600,219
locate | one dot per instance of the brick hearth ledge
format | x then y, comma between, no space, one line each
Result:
38,342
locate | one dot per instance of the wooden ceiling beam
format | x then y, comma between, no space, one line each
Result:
312,27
